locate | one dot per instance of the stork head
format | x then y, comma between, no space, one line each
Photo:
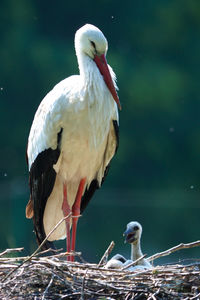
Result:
89,40
133,232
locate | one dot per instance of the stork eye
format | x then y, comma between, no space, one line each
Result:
136,228
93,45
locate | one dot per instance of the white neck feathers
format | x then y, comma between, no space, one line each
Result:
136,251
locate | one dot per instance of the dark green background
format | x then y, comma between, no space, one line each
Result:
154,48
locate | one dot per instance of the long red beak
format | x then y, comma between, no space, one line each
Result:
103,68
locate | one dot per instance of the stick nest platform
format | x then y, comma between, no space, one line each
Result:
38,277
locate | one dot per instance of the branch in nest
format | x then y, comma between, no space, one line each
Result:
134,262
8,251
106,254
174,249
48,286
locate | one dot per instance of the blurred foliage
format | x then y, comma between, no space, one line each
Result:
154,48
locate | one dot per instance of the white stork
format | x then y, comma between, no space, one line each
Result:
133,236
72,140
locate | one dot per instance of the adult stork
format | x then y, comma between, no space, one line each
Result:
72,140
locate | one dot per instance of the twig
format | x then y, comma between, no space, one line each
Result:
36,251
8,251
49,250
48,286
134,262
173,249
106,254
21,258
83,286
195,297
153,295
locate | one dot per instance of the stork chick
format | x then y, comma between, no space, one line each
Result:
133,236
116,262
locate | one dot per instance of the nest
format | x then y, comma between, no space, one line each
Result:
38,277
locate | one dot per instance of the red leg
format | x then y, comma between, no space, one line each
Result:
66,210
76,213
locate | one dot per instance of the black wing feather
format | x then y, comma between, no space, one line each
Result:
116,128
89,192
42,177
